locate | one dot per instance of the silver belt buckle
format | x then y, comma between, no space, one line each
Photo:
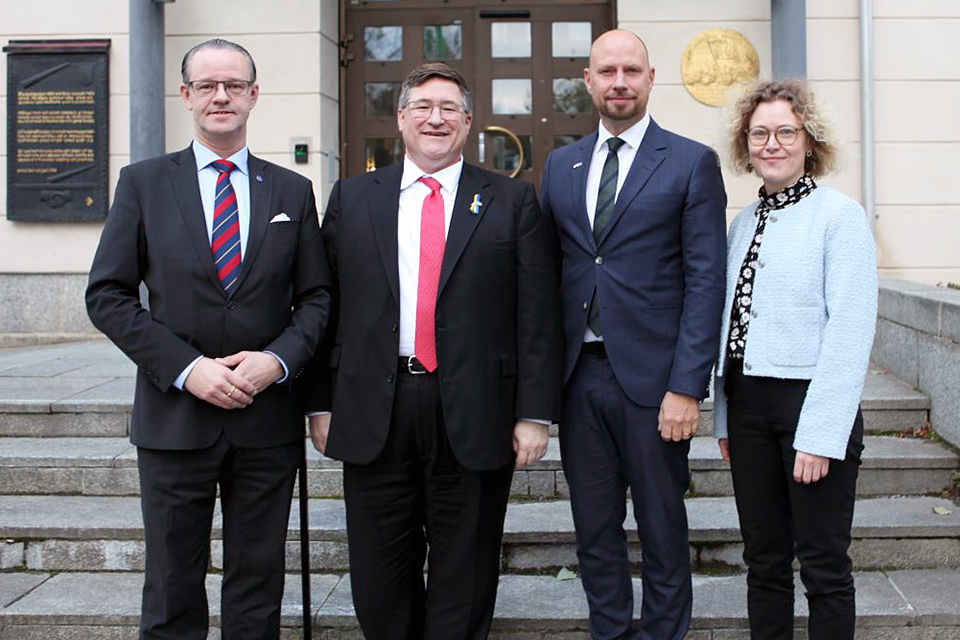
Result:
410,369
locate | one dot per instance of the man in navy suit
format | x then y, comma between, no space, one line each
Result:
637,215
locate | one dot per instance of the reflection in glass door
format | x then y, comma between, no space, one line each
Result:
524,65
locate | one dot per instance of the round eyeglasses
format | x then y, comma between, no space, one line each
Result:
234,88
786,135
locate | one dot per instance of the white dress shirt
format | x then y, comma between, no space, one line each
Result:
240,179
632,138
412,194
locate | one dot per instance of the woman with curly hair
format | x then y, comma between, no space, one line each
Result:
797,332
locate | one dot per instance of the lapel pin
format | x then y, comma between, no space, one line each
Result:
259,178
578,165
476,205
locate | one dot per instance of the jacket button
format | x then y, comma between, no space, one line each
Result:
585,305
599,260
231,305
762,264
389,378
746,365
393,329
773,218
753,313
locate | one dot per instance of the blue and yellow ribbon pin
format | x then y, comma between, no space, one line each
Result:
476,205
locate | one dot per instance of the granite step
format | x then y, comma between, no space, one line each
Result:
892,605
85,533
86,389
107,467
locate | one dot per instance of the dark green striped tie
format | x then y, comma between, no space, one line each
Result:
606,199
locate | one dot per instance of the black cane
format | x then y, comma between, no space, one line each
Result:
304,545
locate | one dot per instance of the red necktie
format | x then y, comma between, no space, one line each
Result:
431,258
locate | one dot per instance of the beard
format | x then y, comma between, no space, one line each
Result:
628,111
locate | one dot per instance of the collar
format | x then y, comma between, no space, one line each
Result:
448,177
632,136
205,156
786,196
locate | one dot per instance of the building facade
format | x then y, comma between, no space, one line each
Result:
328,71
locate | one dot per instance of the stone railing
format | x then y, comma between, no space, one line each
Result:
918,340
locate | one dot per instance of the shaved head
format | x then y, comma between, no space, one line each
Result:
619,36
619,79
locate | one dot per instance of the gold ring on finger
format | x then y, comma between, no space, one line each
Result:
232,389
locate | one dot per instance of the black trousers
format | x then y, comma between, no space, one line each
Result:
781,518
178,493
609,443
415,502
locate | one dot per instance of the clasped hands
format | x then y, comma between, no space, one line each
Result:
232,381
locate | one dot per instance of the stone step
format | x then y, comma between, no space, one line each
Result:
86,389
107,467
892,605
79,533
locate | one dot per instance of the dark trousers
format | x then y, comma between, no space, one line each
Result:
178,493
609,443
415,496
780,518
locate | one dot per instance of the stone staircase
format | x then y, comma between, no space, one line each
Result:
71,538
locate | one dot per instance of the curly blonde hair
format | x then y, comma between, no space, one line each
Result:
823,148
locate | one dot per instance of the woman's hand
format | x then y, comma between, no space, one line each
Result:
809,468
724,448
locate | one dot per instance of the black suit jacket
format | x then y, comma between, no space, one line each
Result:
497,317
156,233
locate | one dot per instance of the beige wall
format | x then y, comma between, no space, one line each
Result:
296,54
917,71
294,43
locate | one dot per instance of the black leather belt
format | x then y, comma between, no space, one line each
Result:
595,349
411,366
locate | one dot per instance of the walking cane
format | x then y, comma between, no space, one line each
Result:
304,545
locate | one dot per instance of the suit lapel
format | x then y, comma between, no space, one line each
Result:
260,196
186,190
462,221
651,153
583,156
383,205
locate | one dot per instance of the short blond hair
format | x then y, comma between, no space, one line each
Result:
823,148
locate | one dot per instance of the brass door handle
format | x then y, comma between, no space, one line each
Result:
510,134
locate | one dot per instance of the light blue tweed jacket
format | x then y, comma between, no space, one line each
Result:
815,299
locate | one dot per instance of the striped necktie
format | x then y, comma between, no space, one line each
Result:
606,199
225,242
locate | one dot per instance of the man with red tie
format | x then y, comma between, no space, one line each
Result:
441,368
229,248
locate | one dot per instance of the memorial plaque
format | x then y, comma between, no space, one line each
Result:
716,60
57,117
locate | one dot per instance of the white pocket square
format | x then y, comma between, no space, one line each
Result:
280,217
578,165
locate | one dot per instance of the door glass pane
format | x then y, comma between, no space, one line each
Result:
381,98
506,156
381,152
571,39
512,96
570,96
442,42
563,139
383,44
510,39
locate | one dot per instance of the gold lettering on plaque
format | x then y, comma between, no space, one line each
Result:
716,60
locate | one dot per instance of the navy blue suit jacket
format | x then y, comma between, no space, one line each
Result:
658,268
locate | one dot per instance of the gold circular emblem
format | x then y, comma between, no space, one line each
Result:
716,60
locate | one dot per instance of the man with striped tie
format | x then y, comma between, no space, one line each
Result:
638,218
229,248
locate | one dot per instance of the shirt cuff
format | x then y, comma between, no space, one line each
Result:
546,423
286,372
311,414
182,378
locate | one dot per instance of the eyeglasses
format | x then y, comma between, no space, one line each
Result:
423,110
786,135
234,88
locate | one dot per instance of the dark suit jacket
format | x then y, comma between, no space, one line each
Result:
497,318
156,233
658,267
